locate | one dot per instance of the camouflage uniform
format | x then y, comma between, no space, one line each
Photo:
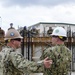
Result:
13,63
61,57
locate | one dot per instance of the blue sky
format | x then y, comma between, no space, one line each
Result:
28,12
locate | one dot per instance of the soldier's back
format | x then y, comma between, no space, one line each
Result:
61,57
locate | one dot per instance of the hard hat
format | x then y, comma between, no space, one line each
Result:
12,34
59,31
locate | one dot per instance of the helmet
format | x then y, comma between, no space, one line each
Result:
59,31
12,34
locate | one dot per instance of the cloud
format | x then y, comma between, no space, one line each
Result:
25,3
28,12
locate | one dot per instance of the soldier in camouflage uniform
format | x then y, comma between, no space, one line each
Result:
12,62
59,53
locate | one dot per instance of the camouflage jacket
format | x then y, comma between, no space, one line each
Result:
13,63
61,57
